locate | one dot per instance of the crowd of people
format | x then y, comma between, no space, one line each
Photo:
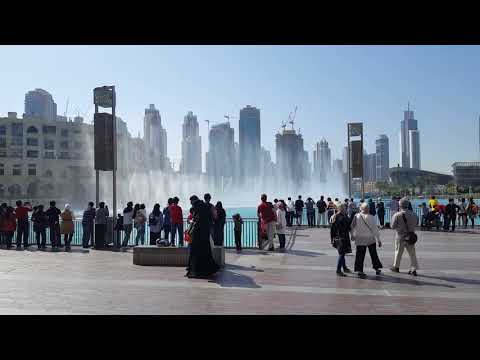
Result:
438,215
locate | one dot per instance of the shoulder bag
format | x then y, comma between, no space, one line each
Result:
411,238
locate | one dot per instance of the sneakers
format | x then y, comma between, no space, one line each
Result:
395,269
341,274
412,272
347,270
362,275
378,272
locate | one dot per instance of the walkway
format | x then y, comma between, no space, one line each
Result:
301,281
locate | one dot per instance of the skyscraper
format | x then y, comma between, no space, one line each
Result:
249,141
382,158
155,137
369,167
322,160
191,146
406,125
39,103
291,157
414,139
221,152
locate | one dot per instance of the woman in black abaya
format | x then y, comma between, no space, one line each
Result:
200,261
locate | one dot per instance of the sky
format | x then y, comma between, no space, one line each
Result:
331,85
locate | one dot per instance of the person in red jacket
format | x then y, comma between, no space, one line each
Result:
21,214
176,221
8,225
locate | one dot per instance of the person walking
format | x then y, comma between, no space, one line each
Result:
200,260
310,205
21,214
88,222
352,209
290,212
101,216
381,213
267,221
140,224
219,225
53,214
394,206
340,238
237,228
40,224
371,207
281,225
472,211
67,227
404,222
8,225
331,208
450,215
322,212
176,219
365,233
299,204
155,222
127,223
462,213
167,226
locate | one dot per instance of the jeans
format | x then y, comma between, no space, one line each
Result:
166,231
8,237
22,232
447,221
43,235
329,215
311,218
177,228
128,230
322,218
341,263
281,239
381,219
140,235
238,240
289,218
87,234
299,217
100,230
68,239
54,235
360,257
270,234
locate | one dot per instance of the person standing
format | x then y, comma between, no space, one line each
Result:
365,234
53,214
140,224
127,223
21,214
330,209
433,202
352,209
267,221
450,215
200,260
237,228
394,206
472,211
371,207
67,227
101,216
155,222
219,224
322,212
3,213
462,213
176,219
381,213
404,222
281,225
207,197
167,226
299,204
88,221
8,225
340,238
310,205
40,224
290,212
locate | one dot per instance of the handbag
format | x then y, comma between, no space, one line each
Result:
411,238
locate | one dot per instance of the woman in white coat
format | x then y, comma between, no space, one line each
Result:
281,223
365,233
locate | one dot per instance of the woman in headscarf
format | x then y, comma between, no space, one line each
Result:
200,261
67,227
155,222
218,226
340,238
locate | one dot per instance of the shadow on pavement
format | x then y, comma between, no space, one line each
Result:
232,279
243,268
304,253
454,280
399,280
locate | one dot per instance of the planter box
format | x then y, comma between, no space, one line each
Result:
160,256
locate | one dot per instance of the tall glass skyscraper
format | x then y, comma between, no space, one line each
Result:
39,104
249,141
191,146
407,125
382,158
155,137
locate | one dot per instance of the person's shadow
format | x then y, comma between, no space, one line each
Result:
400,280
228,278
452,279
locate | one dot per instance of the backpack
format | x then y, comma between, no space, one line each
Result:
152,220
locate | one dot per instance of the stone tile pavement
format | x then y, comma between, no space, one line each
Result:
300,281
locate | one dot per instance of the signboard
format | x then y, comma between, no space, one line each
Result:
357,159
103,141
103,97
355,129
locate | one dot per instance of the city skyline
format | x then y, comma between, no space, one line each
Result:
331,85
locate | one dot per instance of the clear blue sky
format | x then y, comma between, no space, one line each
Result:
331,85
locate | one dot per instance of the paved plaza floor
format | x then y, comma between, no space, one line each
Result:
300,281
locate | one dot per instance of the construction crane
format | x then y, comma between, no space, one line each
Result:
292,118
284,125
229,117
66,109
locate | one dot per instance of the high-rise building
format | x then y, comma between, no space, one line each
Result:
155,138
414,139
382,158
369,167
322,160
191,146
291,157
221,152
249,141
39,104
408,123
345,160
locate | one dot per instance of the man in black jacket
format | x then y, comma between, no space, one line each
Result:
299,204
322,212
450,215
53,214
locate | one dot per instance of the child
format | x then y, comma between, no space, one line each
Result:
238,221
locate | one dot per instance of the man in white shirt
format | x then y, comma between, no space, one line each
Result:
290,211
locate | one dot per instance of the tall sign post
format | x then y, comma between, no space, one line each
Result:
105,146
355,155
